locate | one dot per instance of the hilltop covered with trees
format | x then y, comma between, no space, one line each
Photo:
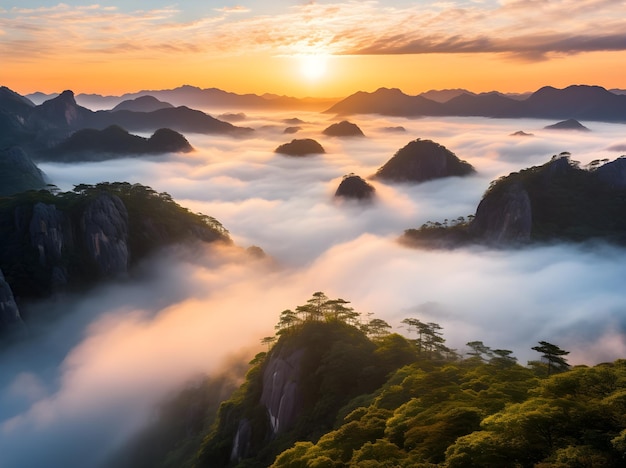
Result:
559,200
336,388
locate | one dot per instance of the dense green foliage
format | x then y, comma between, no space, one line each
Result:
373,398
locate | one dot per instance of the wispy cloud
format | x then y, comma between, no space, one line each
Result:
235,9
533,30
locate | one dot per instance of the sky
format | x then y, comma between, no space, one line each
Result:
311,48
85,382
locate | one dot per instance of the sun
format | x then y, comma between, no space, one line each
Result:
313,67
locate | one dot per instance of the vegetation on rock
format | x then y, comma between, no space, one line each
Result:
422,160
558,200
370,397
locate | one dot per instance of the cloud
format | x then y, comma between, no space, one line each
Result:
83,384
234,9
532,31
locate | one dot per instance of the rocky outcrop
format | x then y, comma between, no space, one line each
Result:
105,229
343,129
354,187
69,241
9,313
282,390
504,217
557,201
18,172
47,233
422,160
300,147
59,113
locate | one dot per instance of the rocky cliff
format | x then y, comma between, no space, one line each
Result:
53,242
9,313
558,200
105,229
298,388
504,217
282,390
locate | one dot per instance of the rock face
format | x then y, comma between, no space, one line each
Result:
504,217
569,124
47,233
68,241
9,313
557,201
62,112
353,186
282,390
142,104
300,147
343,129
422,160
105,228
18,172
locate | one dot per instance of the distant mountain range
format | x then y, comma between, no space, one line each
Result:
192,96
574,102
39,127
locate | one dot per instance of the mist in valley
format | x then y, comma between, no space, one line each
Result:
83,383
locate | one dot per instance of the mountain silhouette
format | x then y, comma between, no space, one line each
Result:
577,101
91,144
194,97
300,147
142,104
39,127
569,124
386,101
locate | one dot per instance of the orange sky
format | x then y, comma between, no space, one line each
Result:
510,45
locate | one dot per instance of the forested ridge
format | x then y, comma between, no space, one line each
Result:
370,397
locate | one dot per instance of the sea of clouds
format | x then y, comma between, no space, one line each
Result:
83,383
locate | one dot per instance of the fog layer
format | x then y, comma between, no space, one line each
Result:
81,385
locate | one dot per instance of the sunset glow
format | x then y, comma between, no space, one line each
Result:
115,47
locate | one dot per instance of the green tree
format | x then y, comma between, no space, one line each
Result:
553,355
